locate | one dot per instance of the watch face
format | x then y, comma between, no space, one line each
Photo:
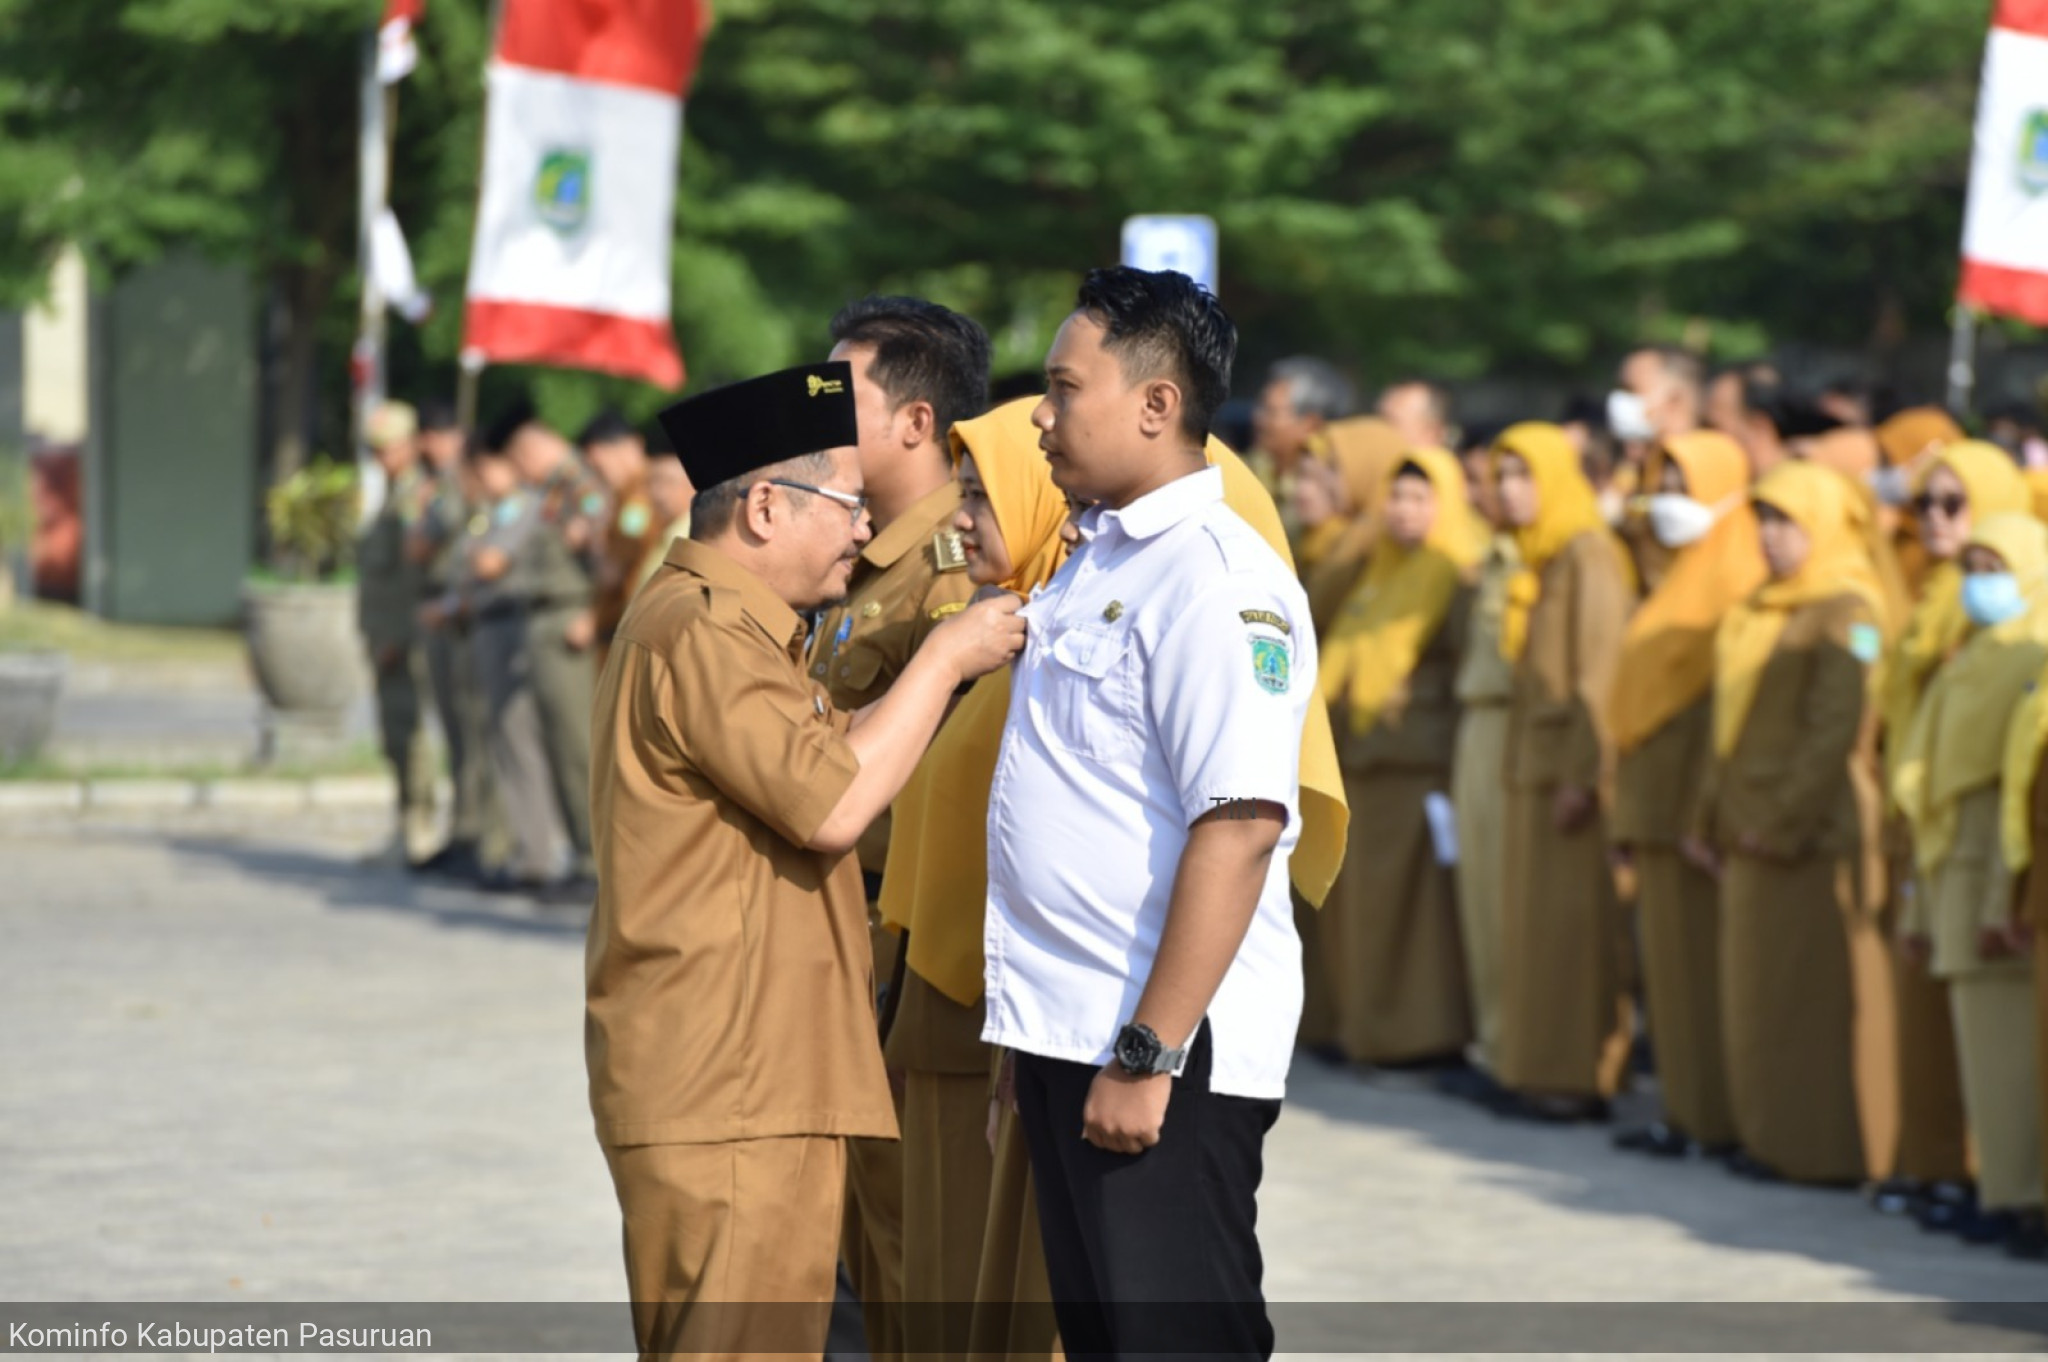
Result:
1137,1051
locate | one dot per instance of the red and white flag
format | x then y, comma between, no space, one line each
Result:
397,54
571,264
2005,228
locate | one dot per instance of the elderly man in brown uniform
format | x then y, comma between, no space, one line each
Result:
729,1027
917,368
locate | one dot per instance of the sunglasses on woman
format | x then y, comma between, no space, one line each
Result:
1950,506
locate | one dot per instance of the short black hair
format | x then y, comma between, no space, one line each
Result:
438,414
1160,323
497,436
923,353
605,427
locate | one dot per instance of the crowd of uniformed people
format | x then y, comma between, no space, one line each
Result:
1696,732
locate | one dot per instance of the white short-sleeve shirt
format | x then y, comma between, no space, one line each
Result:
1169,666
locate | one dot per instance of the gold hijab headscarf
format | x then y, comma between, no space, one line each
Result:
1363,450
1995,486
1836,518
1667,655
935,882
1958,738
936,879
1400,603
1906,435
1567,507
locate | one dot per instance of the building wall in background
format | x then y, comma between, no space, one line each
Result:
54,365
171,455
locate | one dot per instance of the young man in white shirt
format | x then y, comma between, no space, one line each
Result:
1142,960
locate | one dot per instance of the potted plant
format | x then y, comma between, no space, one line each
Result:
300,615
31,677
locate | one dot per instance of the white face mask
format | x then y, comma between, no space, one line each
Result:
1628,416
1677,520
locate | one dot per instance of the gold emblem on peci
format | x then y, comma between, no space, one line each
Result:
820,386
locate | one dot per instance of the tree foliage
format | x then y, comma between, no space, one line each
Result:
1452,186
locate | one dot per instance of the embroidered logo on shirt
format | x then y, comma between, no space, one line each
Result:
1866,644
1269,664
633,520
1265,617
949,608
823,385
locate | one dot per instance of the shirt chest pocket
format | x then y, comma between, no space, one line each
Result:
1091,692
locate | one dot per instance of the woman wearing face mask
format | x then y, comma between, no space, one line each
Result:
1958,483
1789,803
1960,921
1662,719
1389,660
1565,1019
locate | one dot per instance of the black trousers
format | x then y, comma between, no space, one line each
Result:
1155,1252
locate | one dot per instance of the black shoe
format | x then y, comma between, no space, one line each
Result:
2029,1239
504,882
456,861
1717,1153
1988,1227
1745,1165
1898,1196
1473,1085
1656,1139
1947,1208
1551,1110
1328,1052
573,892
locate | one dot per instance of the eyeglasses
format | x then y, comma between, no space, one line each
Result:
1950,506
856,506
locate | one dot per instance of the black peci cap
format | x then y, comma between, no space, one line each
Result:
731,431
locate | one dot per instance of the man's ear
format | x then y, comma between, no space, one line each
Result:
756,512
1160,413
920,424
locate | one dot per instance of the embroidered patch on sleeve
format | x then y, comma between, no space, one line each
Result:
1270,664
1266,617
1866,644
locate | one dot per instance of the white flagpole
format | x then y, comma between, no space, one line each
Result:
373,159
1962,361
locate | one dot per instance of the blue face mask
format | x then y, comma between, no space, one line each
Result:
1992,598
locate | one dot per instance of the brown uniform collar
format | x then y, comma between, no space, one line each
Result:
761,605
930,512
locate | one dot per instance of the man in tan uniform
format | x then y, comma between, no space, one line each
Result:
730,1006
388,590
917,368
617,454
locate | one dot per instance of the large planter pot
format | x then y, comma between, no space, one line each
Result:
29,686
304,647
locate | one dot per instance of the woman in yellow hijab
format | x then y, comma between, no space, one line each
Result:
1662,715
1948,785
1388,665
1564,1017
1337,498
1788,808
1958,481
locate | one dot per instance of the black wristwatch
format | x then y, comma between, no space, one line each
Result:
1141,1053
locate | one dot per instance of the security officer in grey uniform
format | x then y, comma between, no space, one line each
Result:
499,583
432,546
553,574
387,599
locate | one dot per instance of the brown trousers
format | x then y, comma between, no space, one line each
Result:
871,1234
731,1248
1679,917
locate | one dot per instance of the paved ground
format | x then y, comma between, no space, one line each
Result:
240,1066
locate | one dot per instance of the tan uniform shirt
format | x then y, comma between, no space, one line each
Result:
729,986
1557,710
909,578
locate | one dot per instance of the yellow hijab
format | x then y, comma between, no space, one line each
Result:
1567,507
1667,655
1400,603
1995,486
1836,519
935,882
1363,450
1958,739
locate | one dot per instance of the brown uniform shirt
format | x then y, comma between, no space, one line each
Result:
909,578
1557,710
729,986
1802,778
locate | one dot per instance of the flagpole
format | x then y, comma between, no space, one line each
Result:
470,363
1962,361
373,148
